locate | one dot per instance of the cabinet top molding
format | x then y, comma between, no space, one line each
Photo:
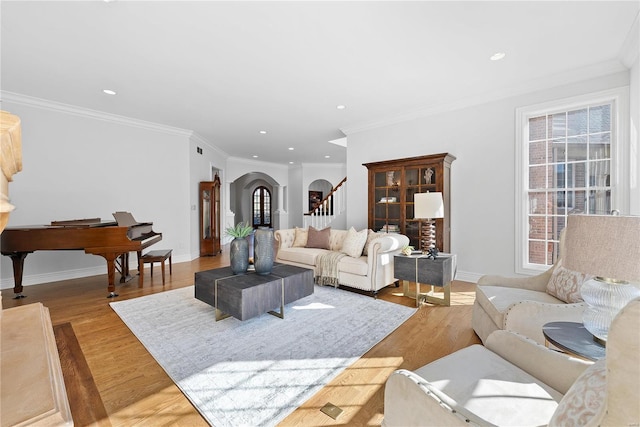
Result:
446,157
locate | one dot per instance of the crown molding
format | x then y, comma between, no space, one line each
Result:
573,76
631,46
60,107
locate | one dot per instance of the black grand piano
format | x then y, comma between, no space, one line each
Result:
112,240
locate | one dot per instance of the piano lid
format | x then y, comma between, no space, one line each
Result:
137,229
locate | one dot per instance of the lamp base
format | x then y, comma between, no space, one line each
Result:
428,236
604,298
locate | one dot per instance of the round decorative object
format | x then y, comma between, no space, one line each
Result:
263,252
604,299
239,255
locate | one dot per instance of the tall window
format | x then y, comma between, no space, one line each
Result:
261,207
567,167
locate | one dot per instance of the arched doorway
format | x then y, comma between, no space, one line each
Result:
261,211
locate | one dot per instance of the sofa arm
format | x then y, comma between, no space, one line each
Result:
528,317
285,237
409,400
533,283
391,242
557,370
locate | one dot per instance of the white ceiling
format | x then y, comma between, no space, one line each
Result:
227,70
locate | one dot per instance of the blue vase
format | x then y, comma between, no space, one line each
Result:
239,255
263,252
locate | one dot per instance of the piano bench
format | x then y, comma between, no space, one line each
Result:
150,257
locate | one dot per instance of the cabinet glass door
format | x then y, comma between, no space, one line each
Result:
206,214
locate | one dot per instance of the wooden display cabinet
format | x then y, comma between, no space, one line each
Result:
209,193
392,184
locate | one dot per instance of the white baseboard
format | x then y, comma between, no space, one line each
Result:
56,276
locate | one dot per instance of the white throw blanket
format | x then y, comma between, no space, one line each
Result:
327,270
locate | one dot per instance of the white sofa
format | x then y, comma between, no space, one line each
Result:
370,272
515,381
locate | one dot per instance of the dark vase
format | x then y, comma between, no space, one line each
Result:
239,255
263,253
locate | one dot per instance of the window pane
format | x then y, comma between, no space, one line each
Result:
556,225
537,128
577,122
537,227
537,252
558,124
600,146
557,151
538,153
600,119
537,203
558,203
576,148
538,177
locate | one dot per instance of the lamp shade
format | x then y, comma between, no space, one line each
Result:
428,205
603,245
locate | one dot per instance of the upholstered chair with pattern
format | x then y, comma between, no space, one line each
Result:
525,304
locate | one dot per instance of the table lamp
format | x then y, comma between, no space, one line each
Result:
427,206
607,247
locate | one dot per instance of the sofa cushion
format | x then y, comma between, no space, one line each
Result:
318,238
336,239
307,256
354,242
585,398
492,390
357,266
496,300
565,284
300,241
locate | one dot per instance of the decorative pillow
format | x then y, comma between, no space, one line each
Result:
300,241
565,284
354,242
584,399
371,236
318,238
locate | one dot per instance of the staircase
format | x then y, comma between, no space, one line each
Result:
333,205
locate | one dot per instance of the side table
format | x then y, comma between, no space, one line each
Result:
572,337
423,270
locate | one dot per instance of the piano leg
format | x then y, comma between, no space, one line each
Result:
18,264
111,273
123,267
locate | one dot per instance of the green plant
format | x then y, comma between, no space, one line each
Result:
239,230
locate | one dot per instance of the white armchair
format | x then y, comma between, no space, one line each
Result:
523,304
515,381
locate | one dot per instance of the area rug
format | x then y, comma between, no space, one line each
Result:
256,372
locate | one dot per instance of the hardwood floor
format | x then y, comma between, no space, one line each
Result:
112,380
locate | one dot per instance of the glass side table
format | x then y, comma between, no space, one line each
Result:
572,337
423,270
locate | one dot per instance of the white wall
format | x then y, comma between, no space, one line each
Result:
77,165
482,137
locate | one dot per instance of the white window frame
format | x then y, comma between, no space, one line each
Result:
620,169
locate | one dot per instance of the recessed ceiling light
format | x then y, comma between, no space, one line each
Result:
497,56
263,132
291,148
290,163
326,157
255,157
341,107
109,91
